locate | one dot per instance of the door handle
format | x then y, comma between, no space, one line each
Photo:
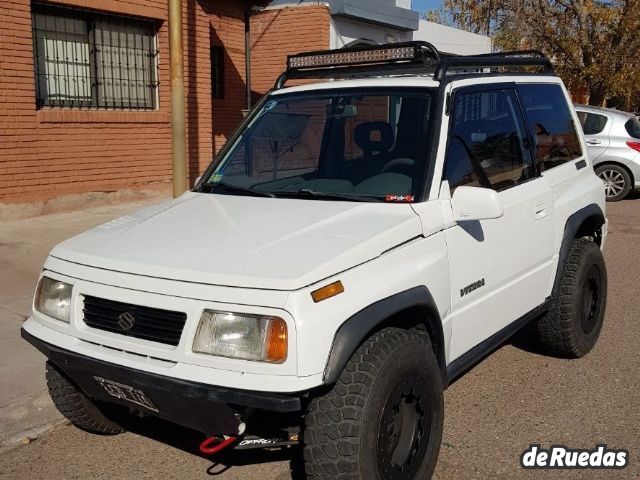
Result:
540,210
594,142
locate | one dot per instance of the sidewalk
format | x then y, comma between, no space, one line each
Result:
25,407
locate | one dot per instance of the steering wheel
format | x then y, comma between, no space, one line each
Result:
398,162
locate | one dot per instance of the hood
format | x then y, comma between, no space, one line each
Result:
253,242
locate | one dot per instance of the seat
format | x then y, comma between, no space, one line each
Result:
371,144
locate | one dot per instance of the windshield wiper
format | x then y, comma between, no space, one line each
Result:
225,187
313,194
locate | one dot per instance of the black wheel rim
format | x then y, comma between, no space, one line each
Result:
405,428
590,300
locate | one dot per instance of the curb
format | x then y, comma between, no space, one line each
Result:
26,419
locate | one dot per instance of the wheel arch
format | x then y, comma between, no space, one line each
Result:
586,222
620,164
410,309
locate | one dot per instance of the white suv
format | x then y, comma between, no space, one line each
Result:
357,245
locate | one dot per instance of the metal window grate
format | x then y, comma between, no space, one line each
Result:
84,59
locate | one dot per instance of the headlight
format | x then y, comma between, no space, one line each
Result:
237,335
53,298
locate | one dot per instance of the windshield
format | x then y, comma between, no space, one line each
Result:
350,145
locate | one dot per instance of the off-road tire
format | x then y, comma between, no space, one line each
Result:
619,178
349,431
76,407
572,326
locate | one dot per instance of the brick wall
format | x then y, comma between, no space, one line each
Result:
278,32
210,122
51,152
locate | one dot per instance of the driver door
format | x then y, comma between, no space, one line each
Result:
500,268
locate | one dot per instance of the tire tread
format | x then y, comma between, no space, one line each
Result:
556,330
333,421
76,407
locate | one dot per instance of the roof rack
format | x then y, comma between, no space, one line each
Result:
400,59
523,58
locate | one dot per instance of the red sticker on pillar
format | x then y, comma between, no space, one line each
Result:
399,198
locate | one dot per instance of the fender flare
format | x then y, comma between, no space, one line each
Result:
574,222
356,329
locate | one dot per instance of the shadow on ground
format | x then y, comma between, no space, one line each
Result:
189,440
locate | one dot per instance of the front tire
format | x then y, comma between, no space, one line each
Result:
383,419
76,407
572,327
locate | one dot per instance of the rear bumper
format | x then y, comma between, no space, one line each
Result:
208,409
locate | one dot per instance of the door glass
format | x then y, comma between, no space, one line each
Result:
551,124
486,146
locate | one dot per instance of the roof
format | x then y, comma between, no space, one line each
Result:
404,81
387,13
453,40
602,110
408,81
379,12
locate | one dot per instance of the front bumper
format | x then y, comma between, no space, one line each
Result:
208,409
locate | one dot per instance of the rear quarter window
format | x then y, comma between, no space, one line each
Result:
633,127
592,123
554,134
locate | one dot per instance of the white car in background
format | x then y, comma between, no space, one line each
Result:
613,145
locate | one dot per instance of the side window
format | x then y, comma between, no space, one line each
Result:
550,124
487,141
592,123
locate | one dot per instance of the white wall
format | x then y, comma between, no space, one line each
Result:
345,30
452,40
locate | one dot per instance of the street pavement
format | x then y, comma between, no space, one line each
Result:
512,399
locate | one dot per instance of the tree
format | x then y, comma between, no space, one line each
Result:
594,43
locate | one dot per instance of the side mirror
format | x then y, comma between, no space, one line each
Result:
476,203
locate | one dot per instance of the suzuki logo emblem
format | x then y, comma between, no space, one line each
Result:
126,320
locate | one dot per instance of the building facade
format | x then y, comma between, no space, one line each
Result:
453,40
85,84
85,87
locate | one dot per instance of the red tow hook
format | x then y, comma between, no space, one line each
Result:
213,445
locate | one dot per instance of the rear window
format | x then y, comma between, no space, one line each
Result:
633,127
551,124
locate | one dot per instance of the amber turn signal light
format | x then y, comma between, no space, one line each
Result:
327,291
276,346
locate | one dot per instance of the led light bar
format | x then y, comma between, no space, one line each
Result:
347,62
358,57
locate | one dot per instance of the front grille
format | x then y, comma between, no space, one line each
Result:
147,323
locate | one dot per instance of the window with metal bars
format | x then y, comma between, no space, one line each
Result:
86,59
